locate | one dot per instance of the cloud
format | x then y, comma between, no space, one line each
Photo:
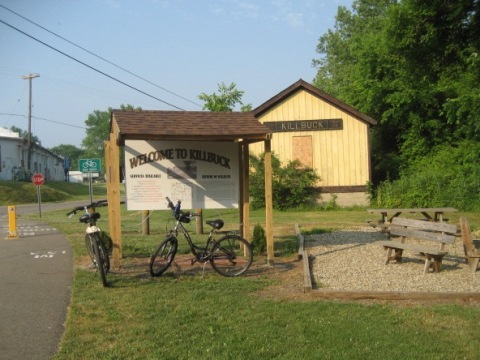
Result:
245,8
294,14
295,20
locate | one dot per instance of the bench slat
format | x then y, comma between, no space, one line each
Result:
423,235
426,225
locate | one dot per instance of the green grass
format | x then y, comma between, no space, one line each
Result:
212,317
218,318
20,192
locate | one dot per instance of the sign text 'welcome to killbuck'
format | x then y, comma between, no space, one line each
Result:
200,174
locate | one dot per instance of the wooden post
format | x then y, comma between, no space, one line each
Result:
199,222
146,222
245,168
269,202
112,166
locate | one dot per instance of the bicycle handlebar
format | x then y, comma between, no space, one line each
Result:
98,203
177,209
170,204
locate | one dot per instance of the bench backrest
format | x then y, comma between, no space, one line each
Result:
426,230
468,245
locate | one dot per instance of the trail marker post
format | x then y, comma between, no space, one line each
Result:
89,166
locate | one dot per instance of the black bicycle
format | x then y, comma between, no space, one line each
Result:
95,240
230,255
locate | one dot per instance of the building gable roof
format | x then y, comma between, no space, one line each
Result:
4,132
302,85
187,125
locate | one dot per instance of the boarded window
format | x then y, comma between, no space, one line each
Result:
302,150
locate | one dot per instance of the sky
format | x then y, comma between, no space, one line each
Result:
92,55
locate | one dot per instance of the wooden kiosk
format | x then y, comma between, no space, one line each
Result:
241,128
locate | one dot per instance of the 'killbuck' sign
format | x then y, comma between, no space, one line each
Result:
200,174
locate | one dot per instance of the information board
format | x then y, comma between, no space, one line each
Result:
199,174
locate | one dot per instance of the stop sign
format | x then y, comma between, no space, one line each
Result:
38,179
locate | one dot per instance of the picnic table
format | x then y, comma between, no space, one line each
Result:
430,214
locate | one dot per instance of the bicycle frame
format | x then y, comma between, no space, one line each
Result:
230,254
197,251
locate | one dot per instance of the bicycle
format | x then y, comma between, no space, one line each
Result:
93,237
230,255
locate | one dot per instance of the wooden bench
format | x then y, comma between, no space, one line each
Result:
472,254
437,232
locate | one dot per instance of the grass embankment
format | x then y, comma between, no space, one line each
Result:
211,317
20,192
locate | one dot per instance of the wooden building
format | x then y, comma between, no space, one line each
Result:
322,133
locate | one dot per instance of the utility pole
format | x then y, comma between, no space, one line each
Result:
29,156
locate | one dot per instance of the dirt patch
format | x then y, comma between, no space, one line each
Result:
288,269
286,273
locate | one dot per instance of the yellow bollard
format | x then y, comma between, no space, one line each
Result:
12,222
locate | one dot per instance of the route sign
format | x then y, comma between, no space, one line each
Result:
89,165
38,179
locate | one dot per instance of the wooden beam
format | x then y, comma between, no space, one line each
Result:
112,161
245,192
269,202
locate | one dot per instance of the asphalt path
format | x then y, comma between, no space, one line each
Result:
36,271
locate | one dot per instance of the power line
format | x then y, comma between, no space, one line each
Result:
43,119
99,57
90,67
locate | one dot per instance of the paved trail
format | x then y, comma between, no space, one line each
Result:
36,273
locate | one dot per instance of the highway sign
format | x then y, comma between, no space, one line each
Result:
89,165
38,179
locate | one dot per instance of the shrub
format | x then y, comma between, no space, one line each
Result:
259,241
292,184
448,176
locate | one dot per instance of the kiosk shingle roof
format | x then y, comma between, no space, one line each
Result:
187,125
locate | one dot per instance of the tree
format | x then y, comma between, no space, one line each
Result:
69,151
24,135
98,124
227,99
98,131
412,65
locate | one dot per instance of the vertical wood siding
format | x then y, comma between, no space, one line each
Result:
341,157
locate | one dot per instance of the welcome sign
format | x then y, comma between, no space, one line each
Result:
200,174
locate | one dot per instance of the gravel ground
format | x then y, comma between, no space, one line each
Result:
350,260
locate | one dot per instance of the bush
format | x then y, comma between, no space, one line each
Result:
259,240
292,184
448,176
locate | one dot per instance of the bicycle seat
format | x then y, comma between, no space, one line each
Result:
216,224
85,218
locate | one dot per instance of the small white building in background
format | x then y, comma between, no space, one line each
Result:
75,177
14,157
81,177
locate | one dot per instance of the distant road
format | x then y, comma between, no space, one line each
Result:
27,209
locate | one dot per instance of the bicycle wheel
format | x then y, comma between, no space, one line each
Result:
103,251
231,256
104,255
163,256
100,259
